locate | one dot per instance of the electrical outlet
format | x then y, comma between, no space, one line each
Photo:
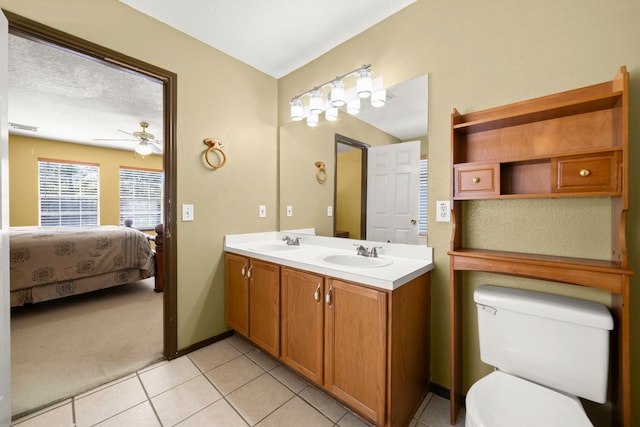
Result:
187,213
443,211
262,211
289,210
329,210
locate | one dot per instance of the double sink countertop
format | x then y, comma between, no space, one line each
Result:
395,265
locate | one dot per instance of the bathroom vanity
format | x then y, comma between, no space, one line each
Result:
356,326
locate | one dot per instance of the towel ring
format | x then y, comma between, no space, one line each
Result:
321,173
214,146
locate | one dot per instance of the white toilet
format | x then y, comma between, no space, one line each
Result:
547,350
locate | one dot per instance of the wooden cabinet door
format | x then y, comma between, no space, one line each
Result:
302,322
356,347
264,305
237,293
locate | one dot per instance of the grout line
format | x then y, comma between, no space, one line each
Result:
146,393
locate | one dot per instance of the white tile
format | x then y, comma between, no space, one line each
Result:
107,402
234,374
436,414
242,344
259,398
106,385
214,355
218,414
263,359
141,415
184,400
168,375
324,403
288,378
57,415
296,412
352,420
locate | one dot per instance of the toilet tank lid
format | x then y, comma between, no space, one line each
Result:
541,304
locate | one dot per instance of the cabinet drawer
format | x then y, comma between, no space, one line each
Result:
477,180
587,173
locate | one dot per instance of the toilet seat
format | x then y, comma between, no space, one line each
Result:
503,400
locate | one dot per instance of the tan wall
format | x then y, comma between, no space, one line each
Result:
218,96
24,153
488,53
349,192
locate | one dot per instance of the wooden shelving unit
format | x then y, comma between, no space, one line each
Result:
570,144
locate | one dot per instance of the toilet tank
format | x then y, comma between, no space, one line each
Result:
555,341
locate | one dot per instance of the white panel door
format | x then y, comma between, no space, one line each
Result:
5,331
393,191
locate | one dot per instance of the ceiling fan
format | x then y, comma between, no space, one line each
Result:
147,143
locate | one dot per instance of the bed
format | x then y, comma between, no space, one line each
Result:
54,262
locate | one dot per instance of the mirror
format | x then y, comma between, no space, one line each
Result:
304,201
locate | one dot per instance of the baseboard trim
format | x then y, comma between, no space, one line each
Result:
440,390
204,343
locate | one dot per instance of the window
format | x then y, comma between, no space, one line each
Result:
68,193
141,197
422,207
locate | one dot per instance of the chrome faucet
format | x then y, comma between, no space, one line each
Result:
362,251
290,241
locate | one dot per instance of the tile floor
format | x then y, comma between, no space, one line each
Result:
229,383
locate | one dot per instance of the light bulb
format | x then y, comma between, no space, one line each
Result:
363,84
379,94
353,106
297,109
331,114
337,95
315,102
143,149
312,120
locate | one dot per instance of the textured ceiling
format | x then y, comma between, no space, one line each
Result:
71,98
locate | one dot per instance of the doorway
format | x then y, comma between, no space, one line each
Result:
38,32
350,188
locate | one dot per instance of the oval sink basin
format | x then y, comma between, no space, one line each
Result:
274,247
355,261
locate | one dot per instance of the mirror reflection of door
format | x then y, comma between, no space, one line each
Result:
350,195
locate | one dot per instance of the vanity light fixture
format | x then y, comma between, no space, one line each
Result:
329,96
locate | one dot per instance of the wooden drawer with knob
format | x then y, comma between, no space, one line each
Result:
476,180
598,172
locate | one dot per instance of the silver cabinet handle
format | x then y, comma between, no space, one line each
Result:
249,272
243,272
327,297
316,294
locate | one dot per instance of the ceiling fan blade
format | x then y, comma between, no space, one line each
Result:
123,131
112,139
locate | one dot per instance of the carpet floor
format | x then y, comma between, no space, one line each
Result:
64,347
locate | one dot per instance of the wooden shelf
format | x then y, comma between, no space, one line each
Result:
599,274
498,119
569,144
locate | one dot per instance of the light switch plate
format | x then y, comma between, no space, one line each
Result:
187,213
443,211
329,210
289,210
262,211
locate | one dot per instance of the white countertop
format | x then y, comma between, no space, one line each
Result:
407,261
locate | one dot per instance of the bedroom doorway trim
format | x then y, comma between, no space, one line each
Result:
39,32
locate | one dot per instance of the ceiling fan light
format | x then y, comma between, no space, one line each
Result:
337,96
363,84
143,149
